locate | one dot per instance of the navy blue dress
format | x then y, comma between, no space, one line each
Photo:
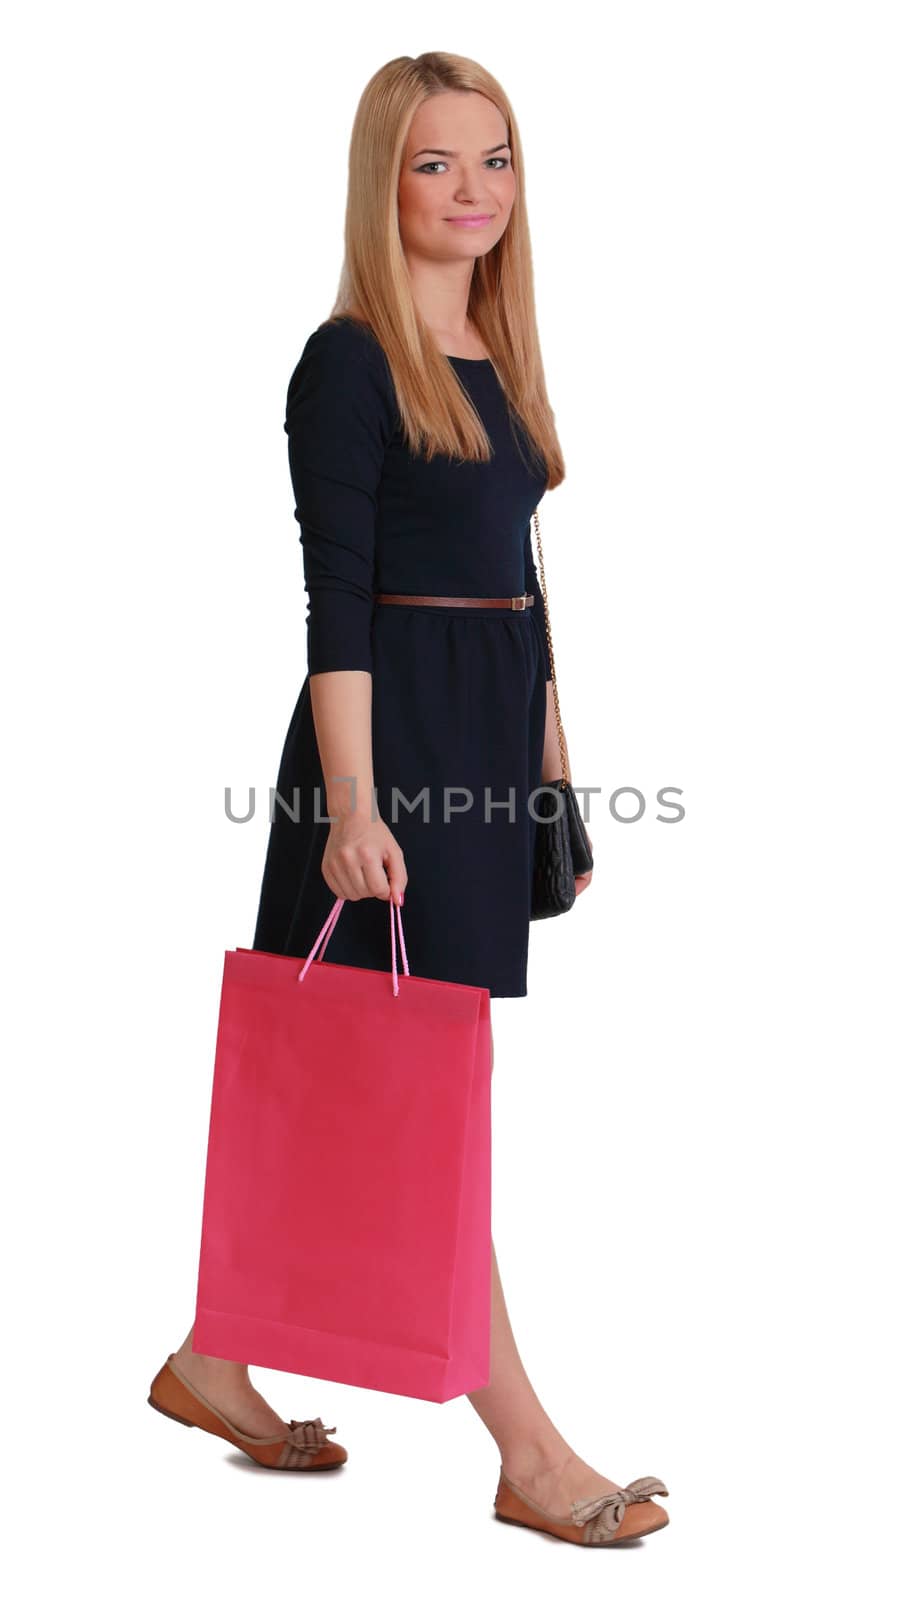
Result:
458,693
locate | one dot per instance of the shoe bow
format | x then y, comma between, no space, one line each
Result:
308,1435
609,1508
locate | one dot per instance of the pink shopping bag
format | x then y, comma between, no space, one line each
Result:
346,1228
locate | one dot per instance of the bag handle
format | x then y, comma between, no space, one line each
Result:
327,929
565,765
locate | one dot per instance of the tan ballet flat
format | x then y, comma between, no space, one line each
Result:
299,1447
607,1519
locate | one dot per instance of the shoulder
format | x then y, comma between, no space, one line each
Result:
342,361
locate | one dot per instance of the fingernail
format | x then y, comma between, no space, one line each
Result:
401,902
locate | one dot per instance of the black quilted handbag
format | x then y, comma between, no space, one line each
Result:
562,847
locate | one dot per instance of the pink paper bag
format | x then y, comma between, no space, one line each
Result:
346,1228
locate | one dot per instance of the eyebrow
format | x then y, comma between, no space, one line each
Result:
455,152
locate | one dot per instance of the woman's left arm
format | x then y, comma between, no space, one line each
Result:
551,766
551,754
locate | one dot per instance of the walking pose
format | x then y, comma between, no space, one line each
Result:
420,442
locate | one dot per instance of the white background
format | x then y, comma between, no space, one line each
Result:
693,1147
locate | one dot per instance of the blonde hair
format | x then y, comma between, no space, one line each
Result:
374,288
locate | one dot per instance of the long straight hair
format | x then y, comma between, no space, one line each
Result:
436,413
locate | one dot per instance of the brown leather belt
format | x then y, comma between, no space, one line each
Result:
517,602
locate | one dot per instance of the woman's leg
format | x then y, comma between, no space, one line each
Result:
534,1455
228,1385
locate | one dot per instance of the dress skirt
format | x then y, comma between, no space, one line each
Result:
459,704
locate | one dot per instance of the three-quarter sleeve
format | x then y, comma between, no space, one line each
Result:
532,586
339,418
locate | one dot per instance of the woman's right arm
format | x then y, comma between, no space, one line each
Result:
362,856
339,418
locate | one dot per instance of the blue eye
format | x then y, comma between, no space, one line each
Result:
503,160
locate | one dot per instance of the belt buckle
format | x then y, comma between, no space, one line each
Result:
518,603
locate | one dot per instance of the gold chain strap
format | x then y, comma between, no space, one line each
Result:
565,767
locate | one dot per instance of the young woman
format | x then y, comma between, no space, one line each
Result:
420,441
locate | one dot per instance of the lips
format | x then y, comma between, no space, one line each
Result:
470,221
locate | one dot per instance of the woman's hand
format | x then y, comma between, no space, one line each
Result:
363,859
583,879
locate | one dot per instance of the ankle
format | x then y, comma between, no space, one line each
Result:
236,1371
536,1461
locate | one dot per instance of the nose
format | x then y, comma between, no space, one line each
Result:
468,188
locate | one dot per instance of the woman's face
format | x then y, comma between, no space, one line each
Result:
457,187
